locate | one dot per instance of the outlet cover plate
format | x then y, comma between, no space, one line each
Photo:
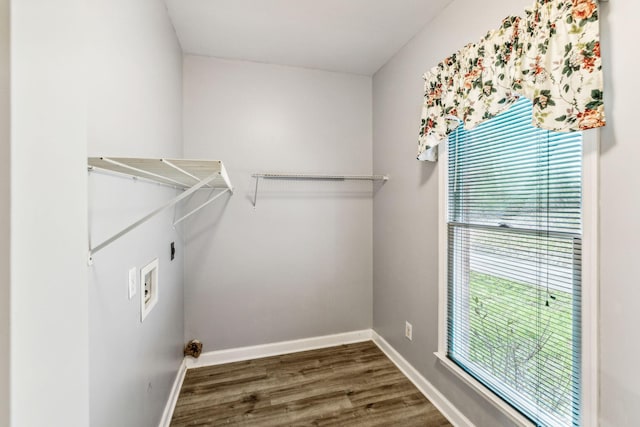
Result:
408,331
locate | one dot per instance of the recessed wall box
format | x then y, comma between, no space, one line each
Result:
148,288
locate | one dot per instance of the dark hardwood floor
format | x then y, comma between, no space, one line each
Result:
348,385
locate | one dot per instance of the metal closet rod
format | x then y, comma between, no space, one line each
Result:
321,177
302,176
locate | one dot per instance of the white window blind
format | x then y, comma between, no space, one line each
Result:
514,263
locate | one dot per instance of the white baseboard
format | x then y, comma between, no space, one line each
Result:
445,407
173,396
275,349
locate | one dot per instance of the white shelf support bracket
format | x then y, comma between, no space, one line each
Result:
255,192
225,177
172,202
209,201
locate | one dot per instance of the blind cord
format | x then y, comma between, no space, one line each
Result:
548,229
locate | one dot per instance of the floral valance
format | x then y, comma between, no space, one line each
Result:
551,56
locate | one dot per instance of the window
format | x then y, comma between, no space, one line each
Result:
512,300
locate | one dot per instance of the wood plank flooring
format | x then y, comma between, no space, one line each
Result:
348,385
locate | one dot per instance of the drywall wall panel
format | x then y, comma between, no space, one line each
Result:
405,220
134,109
135,102
133,364
619,225
5,211
49,317
406,211
299,265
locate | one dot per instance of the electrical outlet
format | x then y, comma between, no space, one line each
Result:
132,282
408,331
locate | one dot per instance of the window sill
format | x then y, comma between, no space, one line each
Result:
505,408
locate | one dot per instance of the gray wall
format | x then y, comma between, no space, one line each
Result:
5,222
406,211
49,317
134,109
619,225
405,214
300,264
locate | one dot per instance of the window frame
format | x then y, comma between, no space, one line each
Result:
590,286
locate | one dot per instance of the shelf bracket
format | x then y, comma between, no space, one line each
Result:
172,202
202,205
255,192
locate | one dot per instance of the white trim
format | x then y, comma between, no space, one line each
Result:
219,357
590,278
590,286
167,414
438,400
507,409
443,250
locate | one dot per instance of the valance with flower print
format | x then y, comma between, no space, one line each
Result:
551,56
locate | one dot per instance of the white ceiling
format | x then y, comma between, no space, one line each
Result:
353,36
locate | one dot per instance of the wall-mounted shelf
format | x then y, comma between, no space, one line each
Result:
188,175
311,177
